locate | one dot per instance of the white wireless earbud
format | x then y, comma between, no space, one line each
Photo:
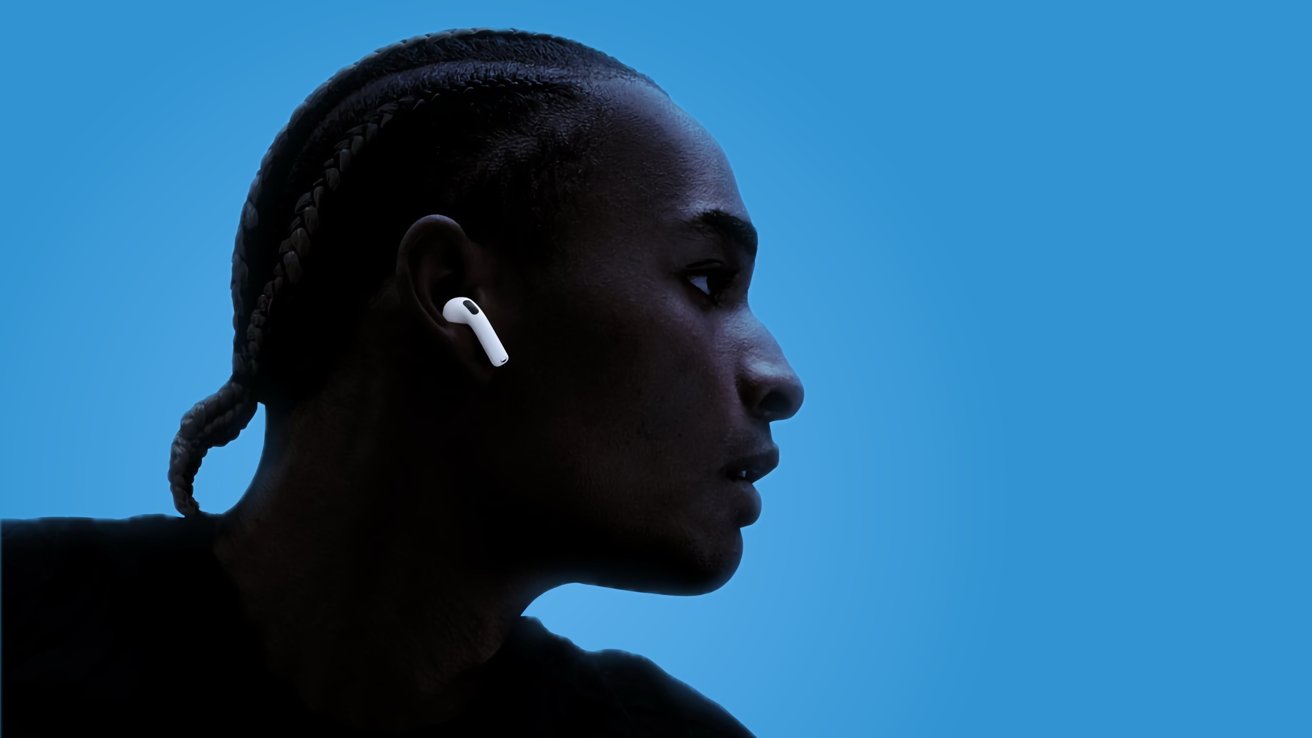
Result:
464,310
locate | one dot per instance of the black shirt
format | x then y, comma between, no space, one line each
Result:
133,625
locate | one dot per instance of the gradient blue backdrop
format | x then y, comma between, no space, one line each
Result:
1044,272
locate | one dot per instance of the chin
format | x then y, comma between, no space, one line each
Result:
712,567
693,568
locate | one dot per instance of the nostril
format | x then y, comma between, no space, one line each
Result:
780,404
771,392
774,405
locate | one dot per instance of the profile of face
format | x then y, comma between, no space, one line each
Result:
638,373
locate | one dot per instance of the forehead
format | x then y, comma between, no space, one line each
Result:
653,168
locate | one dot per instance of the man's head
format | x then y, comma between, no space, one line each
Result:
483,125
601,230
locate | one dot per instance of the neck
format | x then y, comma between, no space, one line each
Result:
379,597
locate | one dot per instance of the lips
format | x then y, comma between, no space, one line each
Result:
751,468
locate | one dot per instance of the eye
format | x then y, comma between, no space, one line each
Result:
713,281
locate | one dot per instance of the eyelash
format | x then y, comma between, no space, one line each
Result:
715,295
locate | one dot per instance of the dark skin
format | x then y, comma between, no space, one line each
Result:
402,520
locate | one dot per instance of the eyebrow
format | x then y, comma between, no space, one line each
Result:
730,227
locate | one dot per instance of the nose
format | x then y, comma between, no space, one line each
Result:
769,386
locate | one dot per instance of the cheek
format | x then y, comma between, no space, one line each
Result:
618,425
613,389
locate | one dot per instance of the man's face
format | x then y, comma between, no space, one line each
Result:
635,388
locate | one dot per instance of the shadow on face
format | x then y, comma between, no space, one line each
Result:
639,373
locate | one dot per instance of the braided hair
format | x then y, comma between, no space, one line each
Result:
489,127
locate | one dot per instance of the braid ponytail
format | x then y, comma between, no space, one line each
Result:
214,421
518,75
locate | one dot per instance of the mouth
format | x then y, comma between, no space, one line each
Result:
751,468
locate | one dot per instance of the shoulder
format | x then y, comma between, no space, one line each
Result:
62,577
94,608
75,563
56,546
656,703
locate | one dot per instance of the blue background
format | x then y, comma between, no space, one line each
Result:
1052,472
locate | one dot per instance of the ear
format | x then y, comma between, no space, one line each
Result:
435,262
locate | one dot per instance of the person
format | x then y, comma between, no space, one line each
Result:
412,497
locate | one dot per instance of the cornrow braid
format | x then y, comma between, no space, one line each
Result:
502,109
